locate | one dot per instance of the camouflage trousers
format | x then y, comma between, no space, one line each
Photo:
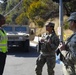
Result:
41,60
69,69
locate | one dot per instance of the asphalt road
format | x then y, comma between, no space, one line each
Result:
21,63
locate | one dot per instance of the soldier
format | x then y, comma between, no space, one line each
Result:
68,50
49,43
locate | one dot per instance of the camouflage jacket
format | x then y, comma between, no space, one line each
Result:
70,52
49,48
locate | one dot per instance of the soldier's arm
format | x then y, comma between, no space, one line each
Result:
71,53
55,42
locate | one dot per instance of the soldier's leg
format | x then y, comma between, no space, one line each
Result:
39,64
75,68
50,65
68,70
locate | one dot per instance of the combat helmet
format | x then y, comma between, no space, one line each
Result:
72,17
50,24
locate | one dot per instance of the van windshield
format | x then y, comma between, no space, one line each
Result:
7,28
20,29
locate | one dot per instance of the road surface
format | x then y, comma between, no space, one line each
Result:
21,63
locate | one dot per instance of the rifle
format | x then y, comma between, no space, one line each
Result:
66,47
58,52
38,46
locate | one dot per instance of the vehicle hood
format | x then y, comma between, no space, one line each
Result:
16,33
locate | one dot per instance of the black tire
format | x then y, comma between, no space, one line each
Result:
26,46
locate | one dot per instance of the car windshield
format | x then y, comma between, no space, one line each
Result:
7,28
20,29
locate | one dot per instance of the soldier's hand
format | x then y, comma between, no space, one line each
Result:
61,46
42,40
49,41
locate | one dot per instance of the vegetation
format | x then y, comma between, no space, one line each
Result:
37,11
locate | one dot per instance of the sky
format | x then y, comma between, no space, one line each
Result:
1,1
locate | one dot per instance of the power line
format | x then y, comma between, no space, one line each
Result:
5,1
14,8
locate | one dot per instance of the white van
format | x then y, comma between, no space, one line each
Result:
18,36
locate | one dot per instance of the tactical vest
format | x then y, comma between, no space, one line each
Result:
3,41
45,47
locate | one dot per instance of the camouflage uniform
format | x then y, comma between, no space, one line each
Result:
69,54
69,66
47,54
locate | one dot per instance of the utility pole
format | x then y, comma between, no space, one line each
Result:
60,28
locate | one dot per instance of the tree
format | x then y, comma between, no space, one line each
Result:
70,7
3,6
17,10
62,1
22,19
37,10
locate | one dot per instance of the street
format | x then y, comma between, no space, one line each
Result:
20,63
